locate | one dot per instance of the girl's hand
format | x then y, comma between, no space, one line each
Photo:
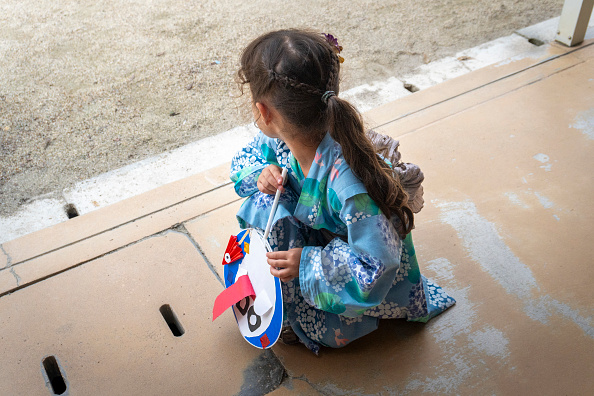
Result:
270,180
285,265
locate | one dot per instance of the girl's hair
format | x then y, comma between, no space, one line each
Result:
292,70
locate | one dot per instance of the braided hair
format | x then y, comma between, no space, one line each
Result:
297,72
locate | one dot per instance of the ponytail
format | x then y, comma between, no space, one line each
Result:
346,127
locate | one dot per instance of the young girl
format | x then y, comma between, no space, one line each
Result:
341,234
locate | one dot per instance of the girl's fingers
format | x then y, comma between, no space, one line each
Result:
276,272
275,177
281,254
284,274
270,180
265,187
274,173
273,182
284,264
277,174
277,263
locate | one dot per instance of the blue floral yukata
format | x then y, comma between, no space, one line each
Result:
354,269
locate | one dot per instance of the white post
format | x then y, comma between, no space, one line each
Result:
574,21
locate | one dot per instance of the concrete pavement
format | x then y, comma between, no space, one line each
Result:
506,151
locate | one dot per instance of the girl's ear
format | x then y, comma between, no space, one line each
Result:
264,112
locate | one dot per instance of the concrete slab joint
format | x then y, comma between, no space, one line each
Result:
28,281
16,276
181,228
8,258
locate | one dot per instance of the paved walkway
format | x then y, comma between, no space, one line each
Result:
507,153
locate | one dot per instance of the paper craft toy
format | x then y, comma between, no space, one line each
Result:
233,252
253,293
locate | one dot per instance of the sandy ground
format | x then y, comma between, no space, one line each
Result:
90,86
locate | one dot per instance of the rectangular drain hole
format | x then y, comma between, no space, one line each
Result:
54,375
411,88
172,321
71,211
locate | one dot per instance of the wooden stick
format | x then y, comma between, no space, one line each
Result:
274,206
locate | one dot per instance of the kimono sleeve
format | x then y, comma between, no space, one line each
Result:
349,278
248,163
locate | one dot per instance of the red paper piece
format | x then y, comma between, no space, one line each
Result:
233,251
264,341
233,294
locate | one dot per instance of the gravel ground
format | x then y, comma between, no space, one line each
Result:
90,86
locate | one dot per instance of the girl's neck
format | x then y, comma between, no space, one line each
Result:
303,149
303,153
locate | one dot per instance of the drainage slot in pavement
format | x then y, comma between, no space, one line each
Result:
172,321
71,211
411,88
536,42
54,375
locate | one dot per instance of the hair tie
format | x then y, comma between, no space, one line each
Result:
327,95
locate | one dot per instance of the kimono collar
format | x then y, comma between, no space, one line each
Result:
327,152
